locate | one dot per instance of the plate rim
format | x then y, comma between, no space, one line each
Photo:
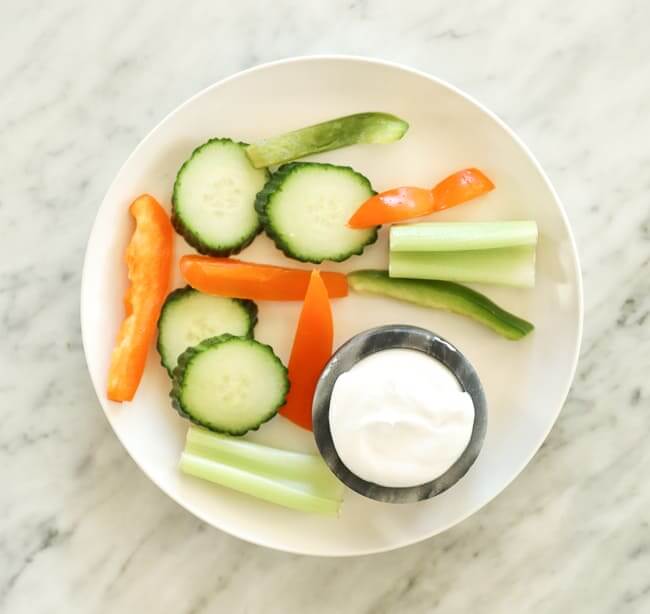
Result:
260,541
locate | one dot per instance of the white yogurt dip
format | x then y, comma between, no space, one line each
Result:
399,418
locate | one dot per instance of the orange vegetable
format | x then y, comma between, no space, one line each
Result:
405,203
148,260
393,206
235,278
460,187
312,348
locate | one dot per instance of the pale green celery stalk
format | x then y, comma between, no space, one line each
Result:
263,460
296,495
333,134
509,266
461,236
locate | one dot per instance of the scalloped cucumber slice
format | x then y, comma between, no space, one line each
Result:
213,204
229,384
305,208
189,316
332,134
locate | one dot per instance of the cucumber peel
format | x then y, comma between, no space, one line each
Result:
229,384
333,134
305,206
213,201
189,316
444,295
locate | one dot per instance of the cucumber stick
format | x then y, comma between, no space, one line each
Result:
444,295
508,266
189,316
305,208
229,384
461,236
333,134
213,203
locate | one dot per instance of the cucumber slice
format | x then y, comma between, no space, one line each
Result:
305,207
213,204
189,316
229,384
333,134
442,295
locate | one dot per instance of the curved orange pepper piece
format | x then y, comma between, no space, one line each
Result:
400,204
148,260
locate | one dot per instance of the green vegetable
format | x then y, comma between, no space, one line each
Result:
442,295
459,236
229,384
213,204
262,459
509,266
305,208
295,480
189,316
333,134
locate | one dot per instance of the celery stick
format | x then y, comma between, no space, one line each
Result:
509,266
444,295
263,460
297,495
333,134
461,236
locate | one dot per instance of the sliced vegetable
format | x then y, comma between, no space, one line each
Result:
312,348
406,203
510,266
460,187
295,480
442,295
148,260
333,134
229,384
393,206
305,207
231,277
459,236
214,198
189,316
262,459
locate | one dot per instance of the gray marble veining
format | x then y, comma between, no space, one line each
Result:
82,529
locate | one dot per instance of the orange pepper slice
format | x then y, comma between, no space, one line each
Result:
460,187
148,260
265,282
312,348
400,204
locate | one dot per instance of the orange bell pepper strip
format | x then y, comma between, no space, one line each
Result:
393,206
148,260
264,282
405,203
312,348
460,187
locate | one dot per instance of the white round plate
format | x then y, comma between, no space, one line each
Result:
526,382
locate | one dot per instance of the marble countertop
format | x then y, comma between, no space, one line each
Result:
83,530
